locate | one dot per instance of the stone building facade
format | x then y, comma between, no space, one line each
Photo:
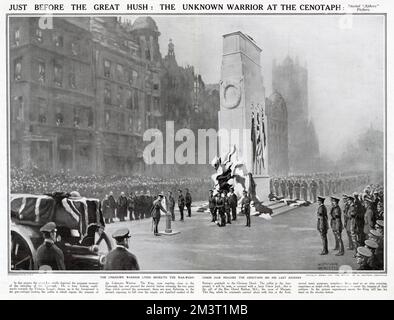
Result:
83,92
290,80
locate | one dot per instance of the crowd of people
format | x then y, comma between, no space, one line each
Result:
97,186
363,222
307,187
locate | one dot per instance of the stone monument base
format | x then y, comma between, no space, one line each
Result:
262,187
172,233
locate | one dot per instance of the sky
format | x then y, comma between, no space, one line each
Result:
344,55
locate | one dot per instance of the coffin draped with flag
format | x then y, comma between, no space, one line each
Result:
72,212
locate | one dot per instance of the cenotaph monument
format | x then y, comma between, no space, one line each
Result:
242,118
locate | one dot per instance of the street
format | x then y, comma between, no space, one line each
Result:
289,241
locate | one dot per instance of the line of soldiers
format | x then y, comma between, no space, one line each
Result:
363,221
138,205
223,206
308,187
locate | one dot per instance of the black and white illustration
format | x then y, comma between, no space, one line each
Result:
197,142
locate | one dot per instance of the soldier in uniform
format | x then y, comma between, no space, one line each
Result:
313,190
276,186
130,205
181,203
369,221
362,257
346,219
112,207
290,186
211,205
188,202
227,208
304,190
219,209
322,224
49,254
297,189
106,209
120,258
245,207
233,203
283,187
372,262
171,205
155,213
352,215
122,207
321,187
336,225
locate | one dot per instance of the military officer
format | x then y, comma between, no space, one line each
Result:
276,186
171,205
362,257
283,187
372,261
188,202
219,209
290,186
313,187
369,221
122,207
211,205
304,190
346,218
120,258
155,212
352,226
181,203
49,254
321,187
245,207
322,224
233,203
336,225
297,189
227,208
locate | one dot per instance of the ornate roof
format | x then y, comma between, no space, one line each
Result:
143,23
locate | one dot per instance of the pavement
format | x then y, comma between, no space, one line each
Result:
288,241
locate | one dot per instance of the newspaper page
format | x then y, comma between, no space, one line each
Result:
196,150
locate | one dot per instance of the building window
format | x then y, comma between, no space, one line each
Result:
107,94
74,48
107,68
156,86
77,119
107,120
119,94
119,72
41,71
58,40
136,101
129,103
59,117
90,118
17,35
38,35
130,124
73,78
42,110
18,69
18,108
121,122
58,70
